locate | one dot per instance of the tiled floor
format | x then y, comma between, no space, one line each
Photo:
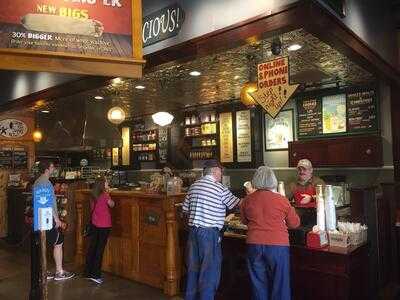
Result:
15,283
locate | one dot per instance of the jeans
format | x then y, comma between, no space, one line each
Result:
269,269
98,241
204,259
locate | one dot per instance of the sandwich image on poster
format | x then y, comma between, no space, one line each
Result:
61,24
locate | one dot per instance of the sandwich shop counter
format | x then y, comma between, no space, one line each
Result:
148,239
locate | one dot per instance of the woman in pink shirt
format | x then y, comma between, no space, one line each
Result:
101,227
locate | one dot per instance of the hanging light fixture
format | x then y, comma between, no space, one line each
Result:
37,135
245,97
116,115
162,118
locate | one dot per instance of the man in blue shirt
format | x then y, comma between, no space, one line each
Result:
205,206
54,237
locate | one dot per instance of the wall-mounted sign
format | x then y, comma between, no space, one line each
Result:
126,133
20,159
243,136
12,128
279,131
226,137
273,85
334,114
115,156
163,145
72,29
162,24
352,112
362,111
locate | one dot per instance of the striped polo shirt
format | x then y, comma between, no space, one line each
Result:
206,203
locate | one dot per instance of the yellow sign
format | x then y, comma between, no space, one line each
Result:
226,137
115,156
274,89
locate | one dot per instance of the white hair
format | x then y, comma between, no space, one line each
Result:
264,179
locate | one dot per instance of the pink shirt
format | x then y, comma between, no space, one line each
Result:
101,216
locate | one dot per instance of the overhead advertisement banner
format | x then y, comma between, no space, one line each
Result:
89,27
273,88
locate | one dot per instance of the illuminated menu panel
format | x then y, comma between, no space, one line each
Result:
226,137
243,133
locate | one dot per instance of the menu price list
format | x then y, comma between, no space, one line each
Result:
362,111
309,117
6,159
20,160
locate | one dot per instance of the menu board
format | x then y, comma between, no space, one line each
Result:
20,159
163,145
6,159
90,27
362,111
243,136
309,117
226,137
345,113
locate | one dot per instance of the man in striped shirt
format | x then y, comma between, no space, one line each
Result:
205,205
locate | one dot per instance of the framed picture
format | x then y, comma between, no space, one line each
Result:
279,131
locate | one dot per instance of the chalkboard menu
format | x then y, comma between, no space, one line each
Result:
353,112
309,117
6,159
20,159
362,111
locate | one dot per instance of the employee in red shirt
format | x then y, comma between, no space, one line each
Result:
303,191
268,216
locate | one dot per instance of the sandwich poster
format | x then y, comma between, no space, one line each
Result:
88,27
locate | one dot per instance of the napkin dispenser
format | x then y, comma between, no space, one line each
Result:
317,240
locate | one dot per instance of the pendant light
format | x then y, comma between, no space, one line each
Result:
37,135
162,118
116,115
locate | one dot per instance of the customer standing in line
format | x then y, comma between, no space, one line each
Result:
54,236
101,227
205,206
268,216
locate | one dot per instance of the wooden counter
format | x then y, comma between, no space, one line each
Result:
325,274
143,244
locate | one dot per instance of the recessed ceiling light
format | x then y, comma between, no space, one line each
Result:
45,111
98,97
294,47
140,87
195,73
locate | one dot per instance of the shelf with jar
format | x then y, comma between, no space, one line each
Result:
202,154
147,156
205,141
144,136
201,129
144,147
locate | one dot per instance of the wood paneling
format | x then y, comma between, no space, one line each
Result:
356,151
143,244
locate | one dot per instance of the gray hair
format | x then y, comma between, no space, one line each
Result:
264,179
208,171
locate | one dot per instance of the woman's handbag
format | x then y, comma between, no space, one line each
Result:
89,228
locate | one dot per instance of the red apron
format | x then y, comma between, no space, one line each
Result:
308,189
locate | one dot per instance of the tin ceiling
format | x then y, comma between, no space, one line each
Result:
169,87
